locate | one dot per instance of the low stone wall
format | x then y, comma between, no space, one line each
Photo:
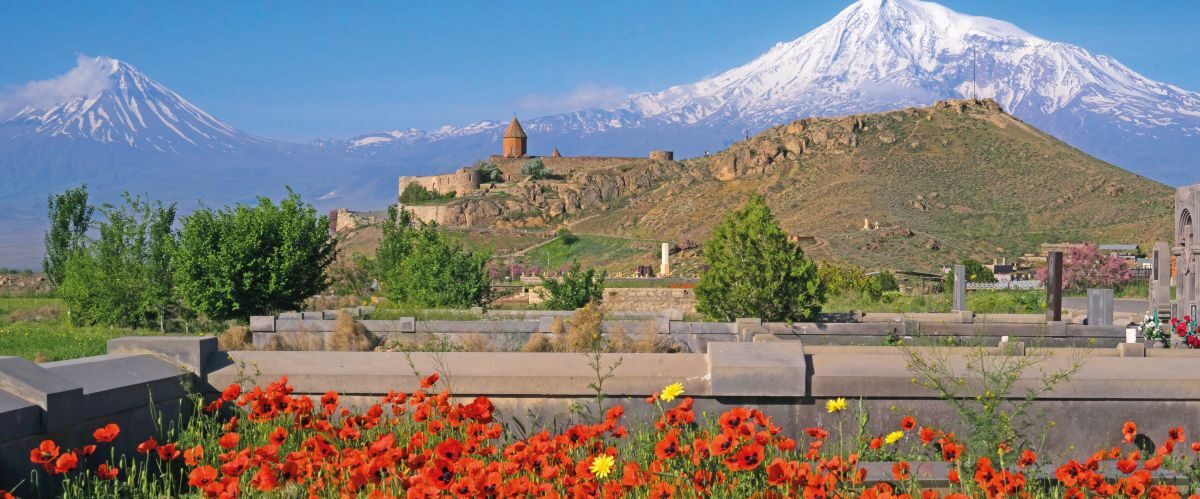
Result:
510,329
650,299
788,380
66,401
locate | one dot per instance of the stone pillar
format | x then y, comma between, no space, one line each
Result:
665,268
1160,281
1100,307
960,288
1187,250
1054,262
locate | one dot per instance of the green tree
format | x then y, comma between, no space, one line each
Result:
250,260
535,169
415,193
755,271
417,264
489,173
123,278
568,238
70,216
575,289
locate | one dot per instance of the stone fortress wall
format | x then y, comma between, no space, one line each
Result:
461,182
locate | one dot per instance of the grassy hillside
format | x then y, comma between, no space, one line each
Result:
961,179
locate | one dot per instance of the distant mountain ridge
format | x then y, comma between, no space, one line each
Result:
878,55
138,135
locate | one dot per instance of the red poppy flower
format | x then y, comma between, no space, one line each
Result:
1176,434
1027,458
440,475
450,450
780,472
951,451
746,459
1129,430
107,433
192,457
662,490
732,419
668,447
202,476
721,444
429,381
228,440
168,452
148,446
44,453
927,434
66,462
278,436
106,472
265,479
900,470
908,423
231,392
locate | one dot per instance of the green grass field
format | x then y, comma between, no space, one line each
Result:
591,251
36,328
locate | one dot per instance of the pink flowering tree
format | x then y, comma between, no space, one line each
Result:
1086,267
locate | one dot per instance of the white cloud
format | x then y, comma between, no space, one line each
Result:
588,96
89,77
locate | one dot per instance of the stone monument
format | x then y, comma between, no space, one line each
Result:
1186,250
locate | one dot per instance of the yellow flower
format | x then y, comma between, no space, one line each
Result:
893,437
835,405
602,465
671,391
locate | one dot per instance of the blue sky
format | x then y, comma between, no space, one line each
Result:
298,71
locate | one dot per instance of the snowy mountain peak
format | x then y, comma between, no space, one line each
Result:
110,101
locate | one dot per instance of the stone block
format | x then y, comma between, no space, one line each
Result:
401,325
960,287
121,382
1131,350
262,323
60,399
290,315
191,352
749,369
545,324
1100,307
1011,348
18,417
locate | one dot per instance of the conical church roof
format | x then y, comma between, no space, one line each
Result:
514,130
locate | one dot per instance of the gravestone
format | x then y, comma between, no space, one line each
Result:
1160,281
1100,307
960,288
1054,263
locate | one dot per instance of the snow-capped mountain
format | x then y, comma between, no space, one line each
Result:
885,54
129,108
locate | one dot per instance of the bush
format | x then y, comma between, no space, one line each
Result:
568,238
350,336
535,169
755,271
417,264
235,338
489,173
575,289
253,260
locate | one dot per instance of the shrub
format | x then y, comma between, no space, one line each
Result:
489,173
253,260
568,238
535,169
575,289
755,271
235,338
415,193
350,336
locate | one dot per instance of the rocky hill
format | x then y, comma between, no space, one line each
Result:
932,185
